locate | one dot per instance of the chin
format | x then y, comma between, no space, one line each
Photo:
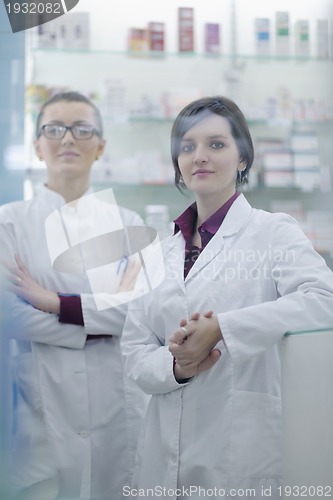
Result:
70,171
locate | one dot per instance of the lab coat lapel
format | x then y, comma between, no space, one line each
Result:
235,219
175,258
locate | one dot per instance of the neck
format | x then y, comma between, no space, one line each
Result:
69,189
208,205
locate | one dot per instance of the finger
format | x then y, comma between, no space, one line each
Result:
183,322
133,267
178,352
173,348
16,279
195,316
20,263
176,339
185,363
208,314
210,361
179,336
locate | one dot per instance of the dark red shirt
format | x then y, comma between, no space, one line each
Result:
70,309
71,312
186,223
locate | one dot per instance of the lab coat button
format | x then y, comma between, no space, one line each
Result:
83,434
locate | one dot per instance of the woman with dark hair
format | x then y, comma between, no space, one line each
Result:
205,344
77,416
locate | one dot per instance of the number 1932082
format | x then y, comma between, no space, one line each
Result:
34,8
305,491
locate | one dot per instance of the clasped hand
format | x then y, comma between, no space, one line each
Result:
193,345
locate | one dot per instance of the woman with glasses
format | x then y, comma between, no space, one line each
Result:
77,416
205,344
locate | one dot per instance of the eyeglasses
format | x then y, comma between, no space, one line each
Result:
79,132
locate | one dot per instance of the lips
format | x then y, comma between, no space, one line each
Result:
202,171
68,154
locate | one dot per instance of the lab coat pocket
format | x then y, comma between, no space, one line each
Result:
26,379
255,435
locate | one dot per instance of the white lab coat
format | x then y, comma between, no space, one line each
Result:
262,278
78,416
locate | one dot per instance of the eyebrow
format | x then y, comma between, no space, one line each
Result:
78,122
217,136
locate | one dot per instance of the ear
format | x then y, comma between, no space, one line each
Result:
37,148
101,147
242,164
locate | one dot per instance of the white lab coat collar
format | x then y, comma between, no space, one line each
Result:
236,218
52,198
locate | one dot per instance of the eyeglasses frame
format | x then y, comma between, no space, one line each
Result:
94,131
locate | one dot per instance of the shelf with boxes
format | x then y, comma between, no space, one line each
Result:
137,93
291,119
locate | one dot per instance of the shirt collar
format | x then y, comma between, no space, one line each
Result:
187,220
52,197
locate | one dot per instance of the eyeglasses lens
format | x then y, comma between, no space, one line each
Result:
78,131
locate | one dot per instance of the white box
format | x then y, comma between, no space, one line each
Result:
279,178
61,28
277,160
79,30
262,35
307,180
304,142
306,161
44,36
302,38
282,33
322,39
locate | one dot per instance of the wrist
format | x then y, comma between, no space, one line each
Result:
218,332
180,374
53,303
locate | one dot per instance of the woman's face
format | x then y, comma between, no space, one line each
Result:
69,157
209,159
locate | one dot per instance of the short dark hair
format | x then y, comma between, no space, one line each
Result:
69,97
200,109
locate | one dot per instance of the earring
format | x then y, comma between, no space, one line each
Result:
240,176
41,159
97,158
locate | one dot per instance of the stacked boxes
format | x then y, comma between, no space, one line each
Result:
70,31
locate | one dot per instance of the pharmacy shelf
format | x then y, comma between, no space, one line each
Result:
275,108
259,77
182,55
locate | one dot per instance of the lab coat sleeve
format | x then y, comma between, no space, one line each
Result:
23,320
108,321
147,361
305,296
27,323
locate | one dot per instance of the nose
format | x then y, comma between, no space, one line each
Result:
200,156
68,137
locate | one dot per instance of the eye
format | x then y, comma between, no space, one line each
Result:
187,148
83,130
53,130
217,145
